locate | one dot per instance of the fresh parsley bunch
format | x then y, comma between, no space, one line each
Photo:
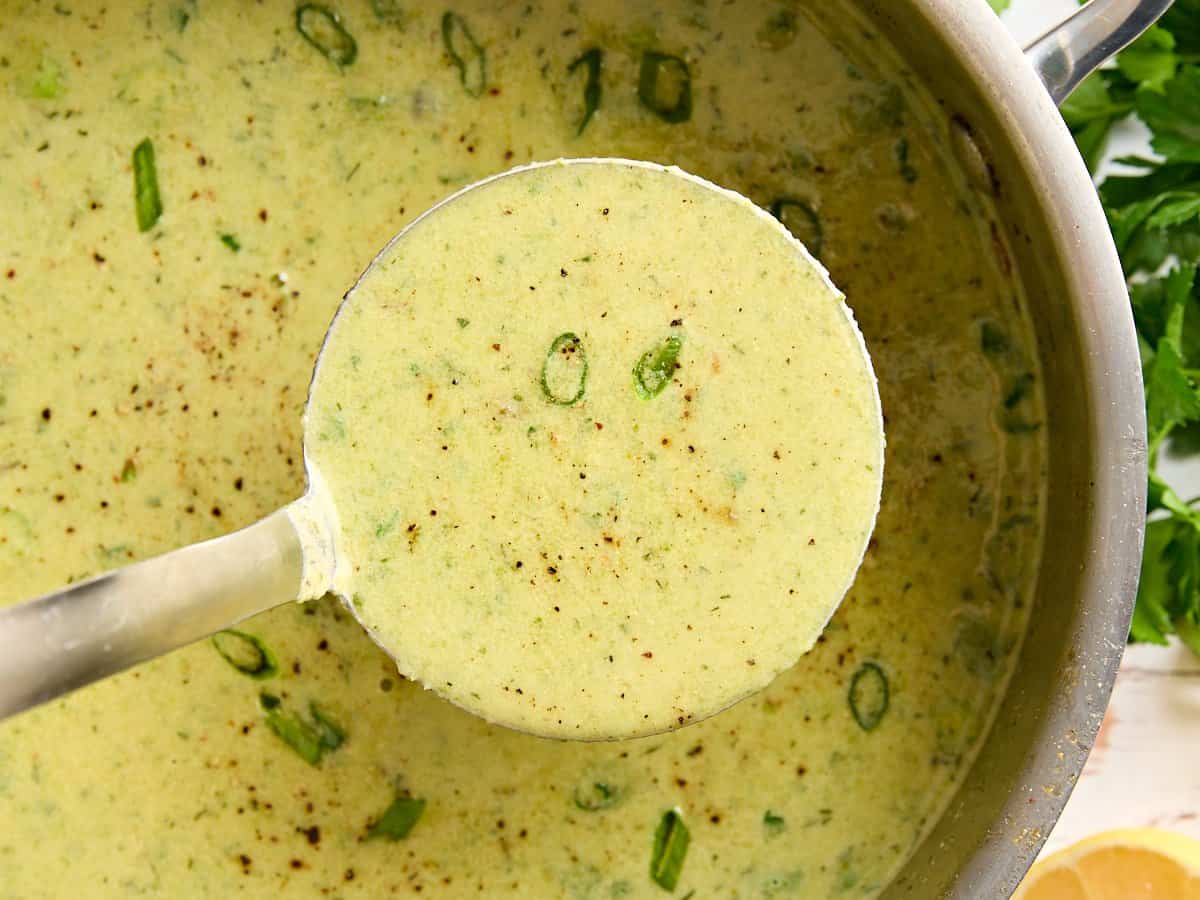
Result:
1154,212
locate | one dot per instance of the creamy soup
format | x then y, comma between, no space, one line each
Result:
604,447
152,384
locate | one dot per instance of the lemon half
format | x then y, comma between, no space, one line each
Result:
1128,864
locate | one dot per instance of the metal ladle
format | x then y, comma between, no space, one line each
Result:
87,631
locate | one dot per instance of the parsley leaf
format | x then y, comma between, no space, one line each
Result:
1099,102
1154,210
1171,397
1151,59
1174,116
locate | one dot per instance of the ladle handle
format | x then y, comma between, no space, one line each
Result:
72,637
1076,47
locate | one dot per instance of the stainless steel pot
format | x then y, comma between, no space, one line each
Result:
1002,100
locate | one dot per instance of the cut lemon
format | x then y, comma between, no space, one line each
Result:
1130,864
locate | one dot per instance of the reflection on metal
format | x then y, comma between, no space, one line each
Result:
1076,47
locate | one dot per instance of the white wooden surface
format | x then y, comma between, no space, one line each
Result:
1145,768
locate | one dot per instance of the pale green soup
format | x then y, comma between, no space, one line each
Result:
602,448
151,390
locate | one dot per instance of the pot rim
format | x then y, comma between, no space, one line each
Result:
1082,243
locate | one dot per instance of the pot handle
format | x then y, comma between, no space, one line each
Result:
1076,47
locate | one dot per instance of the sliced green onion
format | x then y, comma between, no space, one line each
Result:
1019,389
231,241
779,30
310,740
398,819
773,823
992,339
671,840
331,734
387,10
802,221
907,172
145,186
869,696
245,652
466,54
1013,425
591,61
665,86
297,734
322,27
656,367
596,795
182,13
565,370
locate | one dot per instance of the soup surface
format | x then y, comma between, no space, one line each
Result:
151,389
604,446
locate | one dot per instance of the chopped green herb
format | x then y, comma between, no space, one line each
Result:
49,81
774,824
868,696
779,30
298,735
231,242
246,653
128,471
145,186
590,61
596,795
907,172
398,819
387,10
802,221
385,526
463,323
665,86
565,370
465,53
332,735
323,29
656,367
671,840
992,339
310,739
1018,390
1013,425
181,14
